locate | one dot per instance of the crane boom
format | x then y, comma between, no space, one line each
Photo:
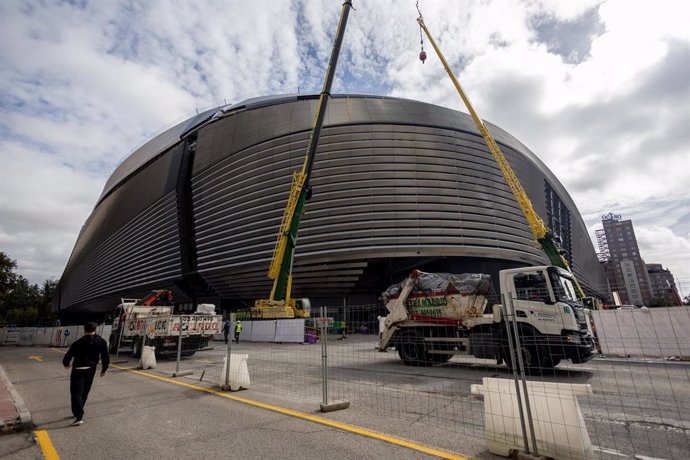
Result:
280,303
540,231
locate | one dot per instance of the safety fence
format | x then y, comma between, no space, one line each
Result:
55,336
631,399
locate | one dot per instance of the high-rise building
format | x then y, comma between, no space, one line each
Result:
622,262
664,291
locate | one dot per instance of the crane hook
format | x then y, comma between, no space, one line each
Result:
422,54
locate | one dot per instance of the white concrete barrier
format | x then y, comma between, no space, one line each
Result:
44,335
556,416
27,336
651,333
11,336
239,373
53,336
280,330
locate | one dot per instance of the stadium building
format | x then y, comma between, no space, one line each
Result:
397,184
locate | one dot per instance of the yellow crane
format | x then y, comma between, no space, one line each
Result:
281,304
541,233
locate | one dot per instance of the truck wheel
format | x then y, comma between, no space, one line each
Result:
136,348
438,358
112,344
411,349
545,360
529,357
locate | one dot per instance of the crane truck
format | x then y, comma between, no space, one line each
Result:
280,304
545,303
152,321
544,237
433,317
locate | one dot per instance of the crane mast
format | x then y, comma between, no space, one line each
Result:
280,304
541,233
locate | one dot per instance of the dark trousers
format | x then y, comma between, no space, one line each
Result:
237,337
80,382
225,334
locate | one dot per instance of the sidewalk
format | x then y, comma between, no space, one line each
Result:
14,415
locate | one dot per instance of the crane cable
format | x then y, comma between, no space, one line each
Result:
422,53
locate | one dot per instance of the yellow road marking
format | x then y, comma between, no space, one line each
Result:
37,358
46,445
312,418
303,416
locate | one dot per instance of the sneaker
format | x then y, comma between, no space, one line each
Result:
77,422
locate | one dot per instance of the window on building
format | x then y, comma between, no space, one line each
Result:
558,220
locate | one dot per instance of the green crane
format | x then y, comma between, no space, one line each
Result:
280,304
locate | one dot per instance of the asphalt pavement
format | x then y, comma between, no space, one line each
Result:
638,410
132,415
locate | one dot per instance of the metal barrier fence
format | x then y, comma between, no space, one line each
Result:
631,400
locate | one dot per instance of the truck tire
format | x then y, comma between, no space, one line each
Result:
528,354
410,348
112,344
535,359
438,358
136,347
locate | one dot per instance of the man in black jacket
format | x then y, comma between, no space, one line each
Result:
85,352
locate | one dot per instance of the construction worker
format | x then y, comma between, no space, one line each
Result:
238,330
226,330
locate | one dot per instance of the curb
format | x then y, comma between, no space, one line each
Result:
24,421
618,359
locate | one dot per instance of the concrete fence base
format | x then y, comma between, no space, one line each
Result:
56,336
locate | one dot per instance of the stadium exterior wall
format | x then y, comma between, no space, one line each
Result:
397,184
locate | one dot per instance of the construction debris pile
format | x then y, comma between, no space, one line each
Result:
427,283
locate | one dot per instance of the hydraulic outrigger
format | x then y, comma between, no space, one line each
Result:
281,304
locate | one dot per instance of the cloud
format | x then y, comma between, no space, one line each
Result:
43,203
595,88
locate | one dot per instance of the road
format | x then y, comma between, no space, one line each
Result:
133,416
637,410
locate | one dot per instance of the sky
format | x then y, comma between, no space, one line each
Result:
599,90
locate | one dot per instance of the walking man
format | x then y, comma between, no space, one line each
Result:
238,330
226,329
85,353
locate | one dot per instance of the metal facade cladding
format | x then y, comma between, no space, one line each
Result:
393,180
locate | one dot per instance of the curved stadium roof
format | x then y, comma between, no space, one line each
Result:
397,184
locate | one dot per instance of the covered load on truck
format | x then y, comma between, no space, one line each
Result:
434,296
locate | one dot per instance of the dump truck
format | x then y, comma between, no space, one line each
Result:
432,317
139,322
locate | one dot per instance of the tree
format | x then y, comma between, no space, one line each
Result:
8,281
23,303
45,310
